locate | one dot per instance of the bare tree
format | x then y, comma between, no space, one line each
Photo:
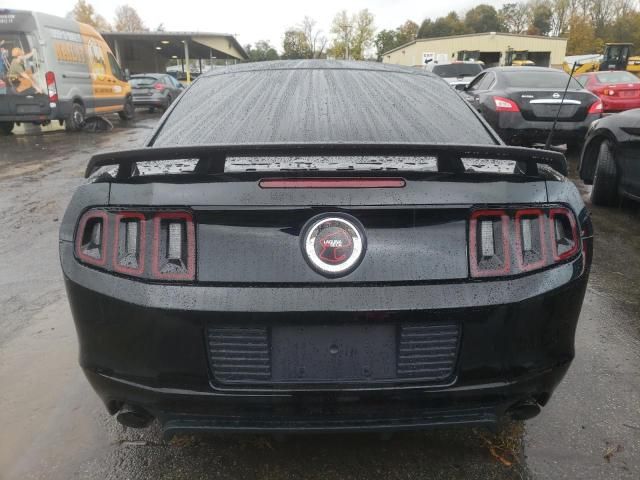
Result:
128,20
316,41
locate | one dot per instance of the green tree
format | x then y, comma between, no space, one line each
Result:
626,29
582,37
84,12
128,20
407,32
514,17
442,27
295,45
261,51
482,18
387,40
342,30
363,34
541,18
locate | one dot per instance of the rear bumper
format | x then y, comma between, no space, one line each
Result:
145,345
150,101
36,111
513,128
619,104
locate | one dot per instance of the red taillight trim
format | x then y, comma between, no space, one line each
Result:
332,183
102,261
191,246
512,106
596,107
159,86
116,241
543,254
52,89
574,230
473,244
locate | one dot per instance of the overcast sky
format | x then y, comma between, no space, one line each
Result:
252,20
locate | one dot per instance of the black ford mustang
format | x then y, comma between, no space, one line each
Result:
522,103
610,158
307,246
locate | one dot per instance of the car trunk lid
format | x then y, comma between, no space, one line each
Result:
546,104
252,218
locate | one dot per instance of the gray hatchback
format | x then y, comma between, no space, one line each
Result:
154,90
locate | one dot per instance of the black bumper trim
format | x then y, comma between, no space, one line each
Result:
418,421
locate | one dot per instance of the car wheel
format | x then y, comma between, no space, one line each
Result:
605,179
169,101
6,127
75,120
129,110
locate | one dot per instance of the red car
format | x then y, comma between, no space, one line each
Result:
618,91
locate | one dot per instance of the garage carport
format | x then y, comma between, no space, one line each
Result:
151,51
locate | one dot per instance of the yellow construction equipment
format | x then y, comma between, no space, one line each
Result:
616,56
518,58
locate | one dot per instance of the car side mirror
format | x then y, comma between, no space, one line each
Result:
127,74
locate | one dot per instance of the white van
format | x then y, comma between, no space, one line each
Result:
53,68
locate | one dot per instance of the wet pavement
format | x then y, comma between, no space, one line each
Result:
54,426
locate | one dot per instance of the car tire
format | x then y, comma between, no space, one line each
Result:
6,127
76,118
128,111
605,179
169,101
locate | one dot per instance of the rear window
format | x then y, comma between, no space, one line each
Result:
617,77
142,81
370,103
540,79
458,70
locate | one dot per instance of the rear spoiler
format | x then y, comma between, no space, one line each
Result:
211,158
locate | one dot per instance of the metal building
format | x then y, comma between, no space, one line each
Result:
151,51
492,48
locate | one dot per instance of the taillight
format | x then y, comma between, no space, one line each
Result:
129,243
505,105
564,234
147,244
52,89
173,246
159,86
508,242
91,237
596,107
489,240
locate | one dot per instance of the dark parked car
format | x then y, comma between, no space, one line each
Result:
154,90
320,253
521,104
457,74
611,158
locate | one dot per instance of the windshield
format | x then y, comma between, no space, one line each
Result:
142,81
617,77
458,70
540,79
